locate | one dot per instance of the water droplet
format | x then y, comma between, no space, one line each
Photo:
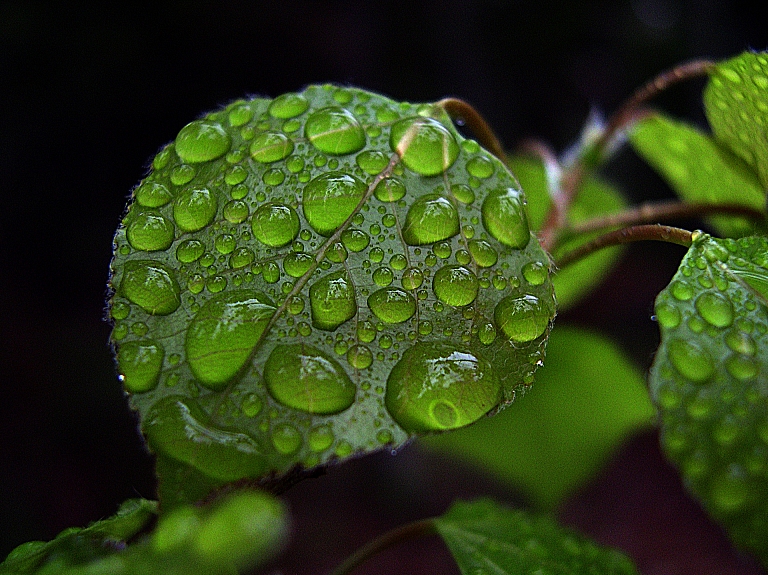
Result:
240,115
385,437
480,167
332,301
487,333
535,273
392,305
742,367
668,315
201,141
222,335
241,257
194,209
366,331
355,240
336,253
430,218
729,491
251,405
483,253
225,243
275,225
302,377
119,309
522,318
189,251
297,264
435,386
463,193
504,217
740,342
288,106
270,147
681,290
382,277
372,161
139,363
715,309
412,278
389,190
320,438
335,131
149,231
236,175
329,199
286,438
455,285
183,174
151,286
690,360
359,357
424,144
152,195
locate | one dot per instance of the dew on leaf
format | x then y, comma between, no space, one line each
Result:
150,232
236,175
275,225
288,106
435,387
483,253
139,364
286,439
334,131
535,273
715,309
389,189
194,208
412,278
372,161
480,167
302,377
332,301
430,218
424,144
355,240
690,360
240,115
202,141
740,342
487,333
297,264
241,257
463,193
668,315
742,367
366,331
251,405
505,219
273,177
522,318
270,147
382,277
455,285
152,286
320,438
392,305
183,174
223,334
329,199
359,356
152,195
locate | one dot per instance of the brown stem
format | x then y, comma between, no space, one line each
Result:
657,233
654,212
402,533
459,109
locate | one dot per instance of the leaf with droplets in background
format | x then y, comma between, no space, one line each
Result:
595,198
736,104
316,276
699,169
485,537
709,381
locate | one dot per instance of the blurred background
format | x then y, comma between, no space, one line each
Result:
89,94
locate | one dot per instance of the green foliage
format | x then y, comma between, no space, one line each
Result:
708,380
587,398
487,538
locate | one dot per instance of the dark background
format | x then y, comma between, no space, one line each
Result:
88,95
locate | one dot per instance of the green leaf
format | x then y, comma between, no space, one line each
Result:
595,198
588,397
736,103
485,537
699,169
709,381
323,274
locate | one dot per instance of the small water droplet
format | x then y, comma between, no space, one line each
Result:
463,193
742,367
320,438
729,491
715,309
275,225
681,290
392,305
329,199
505,219
385,437
286,438
332,301
455,285
366,331
288,106
480,167
355,240
152,286
535,273
302,377
522,318
270,147
240,115
430,218
182,174
372,161
194,209
297,264
201,141
668,315
389,190
150,231
412,278
139,364
487,333
251,405
425,145
690,360
359,356
241,257
740,342
382,277
335,131
152,195
189,251
483,253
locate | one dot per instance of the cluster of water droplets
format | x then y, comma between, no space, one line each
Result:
296,270
709,375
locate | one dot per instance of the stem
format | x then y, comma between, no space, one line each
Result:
653,212
459,109
397,535
656,232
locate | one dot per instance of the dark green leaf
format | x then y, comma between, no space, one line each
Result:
709,381
736,102
314,276
486,538
699,169
587,398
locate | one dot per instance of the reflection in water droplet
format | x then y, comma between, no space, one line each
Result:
487,333
150,232
455,285
139,363
424,144
222,335
412,278
435,386
151,286
302,377
505,219
715,309
522,318
430,218
201,141
275,225
332,301
335,131
270,147
329,199
392,305
194,209
690,360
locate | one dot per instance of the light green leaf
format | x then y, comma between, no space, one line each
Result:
595,198
709,381
736,103
323,274
485,537
588,397
699,169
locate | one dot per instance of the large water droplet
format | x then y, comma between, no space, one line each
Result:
139,363
222,335
392,305
302,377
436,386
455,285
275,225
335,131
150,232
150,285
424,144
201,141
522,318
194,209
332,300
270,147
505,219
329,199
715,309
690,360
430,218
288,106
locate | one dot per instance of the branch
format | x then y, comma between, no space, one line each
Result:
459,109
